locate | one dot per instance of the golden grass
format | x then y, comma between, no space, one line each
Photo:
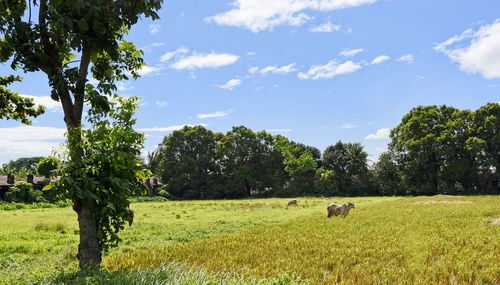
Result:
380,242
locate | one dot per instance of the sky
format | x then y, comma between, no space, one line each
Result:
316,71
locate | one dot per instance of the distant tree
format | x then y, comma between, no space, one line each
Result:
350,164
388,175
485,144
188,162
301,163
153,161
23,165
250,163
46,166
416,145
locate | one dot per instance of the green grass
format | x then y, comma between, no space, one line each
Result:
387,240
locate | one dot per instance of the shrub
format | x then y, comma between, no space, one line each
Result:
162,192
24,192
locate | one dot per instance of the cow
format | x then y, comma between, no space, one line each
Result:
292,202
342,210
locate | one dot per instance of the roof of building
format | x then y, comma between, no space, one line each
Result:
36,180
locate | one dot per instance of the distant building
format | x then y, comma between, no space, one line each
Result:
7,181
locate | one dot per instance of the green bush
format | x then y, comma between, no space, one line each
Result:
24,192
162,192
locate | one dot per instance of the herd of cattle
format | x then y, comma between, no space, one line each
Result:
333,209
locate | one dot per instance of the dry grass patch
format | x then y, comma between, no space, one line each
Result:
495,222
389,242
453,202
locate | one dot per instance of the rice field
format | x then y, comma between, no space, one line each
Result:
384,240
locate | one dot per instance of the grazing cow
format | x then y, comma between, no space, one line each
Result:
342,210
292,202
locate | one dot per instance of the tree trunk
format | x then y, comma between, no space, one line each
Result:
89,253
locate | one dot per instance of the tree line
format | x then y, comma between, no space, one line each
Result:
435,149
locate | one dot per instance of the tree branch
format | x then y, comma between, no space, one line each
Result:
82,78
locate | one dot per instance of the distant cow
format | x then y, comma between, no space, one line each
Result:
292,202
342,210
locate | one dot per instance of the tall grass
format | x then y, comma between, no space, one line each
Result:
438,240
389,240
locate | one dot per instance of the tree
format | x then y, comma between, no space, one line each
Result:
23,165
250,163
187,162
47,165
418,148
13,106
388,176
94,32
301,163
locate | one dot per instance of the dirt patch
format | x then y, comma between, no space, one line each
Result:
431,202
447,196
494,222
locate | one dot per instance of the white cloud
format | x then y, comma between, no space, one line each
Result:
251,53
279,130
327,27
329,70
148,70
351,52
481,53
381,134
161,104
253,69
169,128
157,44
218,114
408,58
154,28
231,84
211,60
260,15
274,69
46,101
348,126
30,140
171,54
124,86
379,59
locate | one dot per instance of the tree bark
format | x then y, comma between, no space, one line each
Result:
89,253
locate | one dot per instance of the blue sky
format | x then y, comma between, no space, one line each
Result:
316,71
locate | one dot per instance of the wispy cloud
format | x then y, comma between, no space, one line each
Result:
279,130
380,134
408,58
149,70
46,101
210,60
260,15
169,128
231,84
30,140
327,27
172,54
161,104
381,58
154,28
351,52
329,70
348,126
273,69
481,53
218,114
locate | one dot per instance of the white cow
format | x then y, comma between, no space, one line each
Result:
342,210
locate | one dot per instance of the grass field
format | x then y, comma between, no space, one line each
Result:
385,240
